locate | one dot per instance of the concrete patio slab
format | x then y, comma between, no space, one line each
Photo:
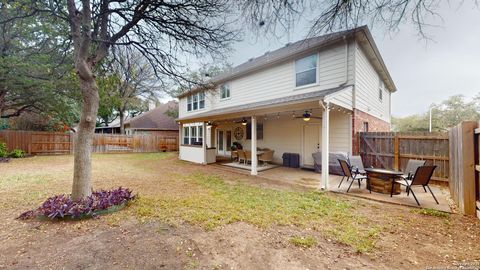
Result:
310,179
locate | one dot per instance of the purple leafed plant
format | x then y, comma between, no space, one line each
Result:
62,206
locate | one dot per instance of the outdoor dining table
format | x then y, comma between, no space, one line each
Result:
383,180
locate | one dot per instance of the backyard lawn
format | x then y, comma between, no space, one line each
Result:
201,217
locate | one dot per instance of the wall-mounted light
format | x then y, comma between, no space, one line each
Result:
306,116
293,115
244,121
209,124
278,115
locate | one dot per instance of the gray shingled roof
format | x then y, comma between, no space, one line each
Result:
266,103
156,119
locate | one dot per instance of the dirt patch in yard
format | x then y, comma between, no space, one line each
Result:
159,232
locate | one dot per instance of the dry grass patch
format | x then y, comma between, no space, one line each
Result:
210,202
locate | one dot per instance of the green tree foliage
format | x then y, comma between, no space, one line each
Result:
127,83
201,77
35,72
445,115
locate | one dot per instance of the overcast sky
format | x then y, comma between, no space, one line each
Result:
423,71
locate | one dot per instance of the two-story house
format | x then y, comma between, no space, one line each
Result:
312,95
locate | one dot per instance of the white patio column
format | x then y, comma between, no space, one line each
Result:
180,136
325,146
254,146
204,142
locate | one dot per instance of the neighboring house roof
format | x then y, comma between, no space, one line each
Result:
268,103
114,124
156,119
292,50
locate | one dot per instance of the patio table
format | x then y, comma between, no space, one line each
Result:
383,180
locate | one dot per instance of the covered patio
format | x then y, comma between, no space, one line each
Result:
303,124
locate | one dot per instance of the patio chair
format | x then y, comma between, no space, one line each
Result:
241,156
422,177
347,172
248,156
234,155
266,157
411,168
356,164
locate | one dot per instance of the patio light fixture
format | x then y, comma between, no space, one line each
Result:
244,121
306,116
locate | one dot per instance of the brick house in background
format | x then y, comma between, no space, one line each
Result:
159,121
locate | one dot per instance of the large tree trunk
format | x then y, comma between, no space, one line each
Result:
121,114
82,176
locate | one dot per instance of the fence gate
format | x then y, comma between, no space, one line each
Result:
50,143
477,169
392,150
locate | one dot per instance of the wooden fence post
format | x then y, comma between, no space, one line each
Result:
396,159
462,167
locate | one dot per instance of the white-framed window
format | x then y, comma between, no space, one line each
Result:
200,133
224,91
381,86
193,134
189,103
201,100
186,135
306,70
196,101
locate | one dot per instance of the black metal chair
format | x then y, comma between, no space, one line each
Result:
347,172
422,177
411,168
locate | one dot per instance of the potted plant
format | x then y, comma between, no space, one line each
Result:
236,146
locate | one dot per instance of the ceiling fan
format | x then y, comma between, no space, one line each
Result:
307,116
243,121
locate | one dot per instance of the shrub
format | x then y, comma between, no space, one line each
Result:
3,150
17,153
62,206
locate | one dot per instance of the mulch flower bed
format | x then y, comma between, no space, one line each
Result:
62,207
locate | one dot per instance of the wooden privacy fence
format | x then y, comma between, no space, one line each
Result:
392,150
36,143
464,167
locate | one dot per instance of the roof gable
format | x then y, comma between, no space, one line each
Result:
292,50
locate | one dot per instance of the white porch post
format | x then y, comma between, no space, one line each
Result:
204,142
325,145
254,146
180,136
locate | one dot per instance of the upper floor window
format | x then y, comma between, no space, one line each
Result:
196,101
224,91
306,70
381,86
189,103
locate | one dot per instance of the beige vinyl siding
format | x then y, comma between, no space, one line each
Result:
340,132
344,99
286,134
366,88
279,81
